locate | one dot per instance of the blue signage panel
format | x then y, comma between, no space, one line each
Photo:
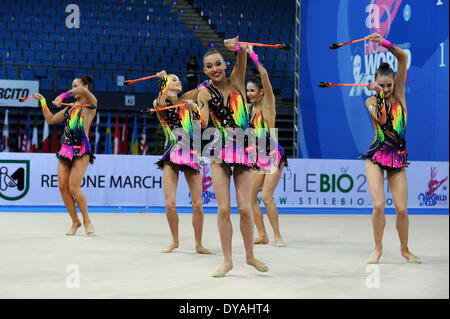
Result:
335,123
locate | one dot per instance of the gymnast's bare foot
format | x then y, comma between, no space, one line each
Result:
261,240
89,228
375,257
222,271
259,265
279,242
74,228
202,250
412,259
172,246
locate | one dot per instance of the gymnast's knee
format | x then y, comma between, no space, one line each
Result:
197,206
378,207
401,212
74,190
266,198
171,207
223,210
245,209
63,187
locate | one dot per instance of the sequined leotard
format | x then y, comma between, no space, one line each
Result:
269,152
178,126
388,148
75,143
232,121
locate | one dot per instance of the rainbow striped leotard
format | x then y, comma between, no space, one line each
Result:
269,153
232,122
75,143
178,126
388,149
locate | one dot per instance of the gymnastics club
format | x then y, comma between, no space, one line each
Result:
335,46
22,99
76,105
328,85
128,82
162,108
281,46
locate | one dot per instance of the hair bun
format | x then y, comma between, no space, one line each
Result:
384,66
384,70
88,79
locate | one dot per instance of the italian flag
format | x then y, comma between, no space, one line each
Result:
117,136
5,136
34,139
45,139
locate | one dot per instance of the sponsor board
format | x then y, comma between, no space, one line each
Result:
12,90
126,180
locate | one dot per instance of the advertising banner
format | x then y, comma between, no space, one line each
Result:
126,180
12,90
335,123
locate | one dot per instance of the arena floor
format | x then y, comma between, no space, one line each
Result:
324,258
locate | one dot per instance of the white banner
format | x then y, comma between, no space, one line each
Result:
12,90
127,180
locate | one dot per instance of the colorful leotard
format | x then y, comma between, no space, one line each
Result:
273,154
178,125
388,148
232,121
75,143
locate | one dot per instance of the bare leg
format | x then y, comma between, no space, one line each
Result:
243,182
375,180
221,183
77,172
258,180
399,189
63,183
270,184
194,181
170,183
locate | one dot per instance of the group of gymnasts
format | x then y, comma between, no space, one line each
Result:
235,106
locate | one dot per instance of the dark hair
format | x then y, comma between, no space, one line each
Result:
257,82
211,52
87,80
384,70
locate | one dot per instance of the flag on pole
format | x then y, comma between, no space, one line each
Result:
1,143
5,135
124,141
18,146
134,139
54,140
144,142
97,133
26,143
108,144
45,139
34,139
117,135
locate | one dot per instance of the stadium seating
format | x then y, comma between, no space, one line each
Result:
264,21
123,34
112,34
131,39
